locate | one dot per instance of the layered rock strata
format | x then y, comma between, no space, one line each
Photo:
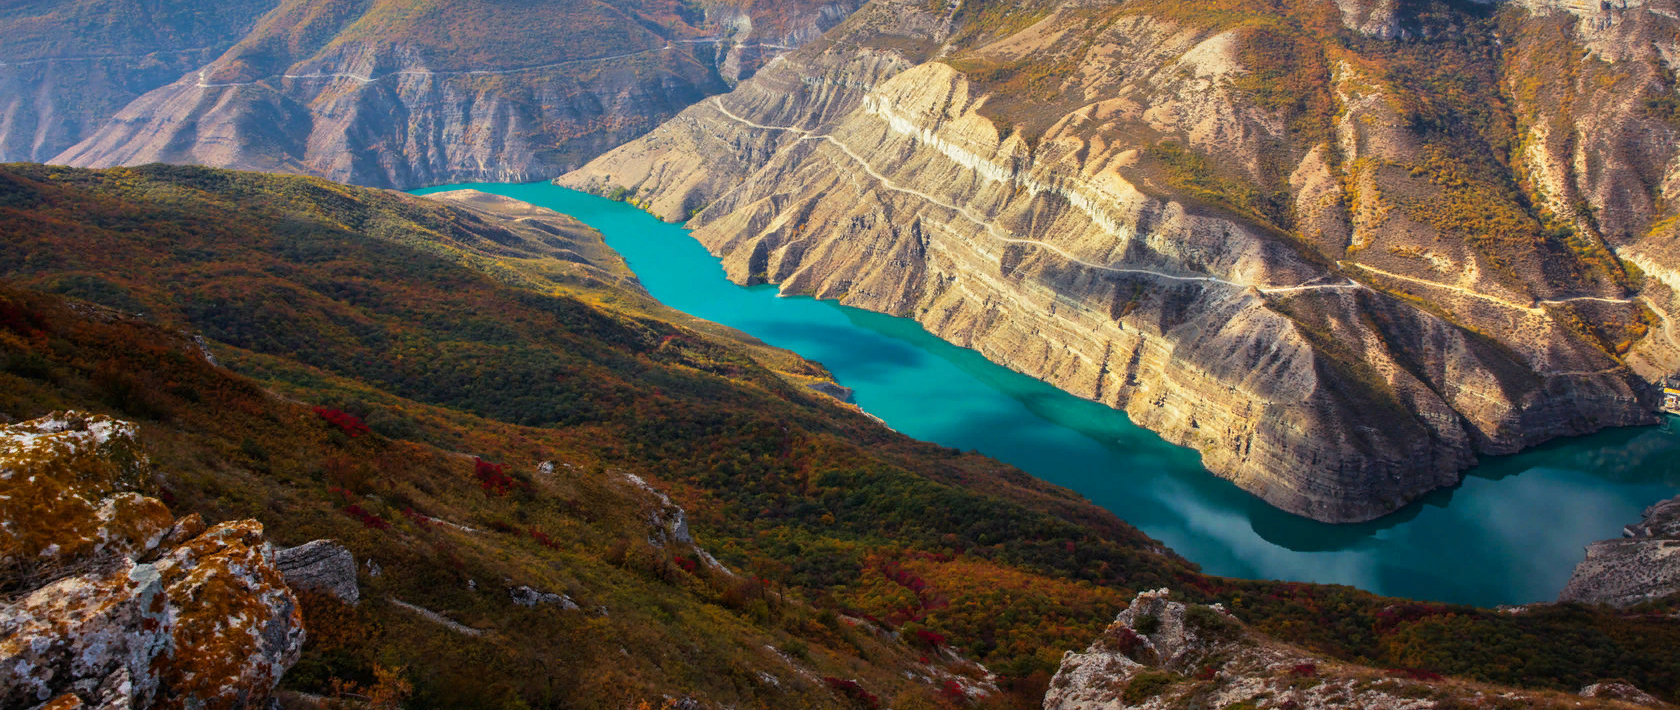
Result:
120,606
1340,307
379,95
1643,565
321,565
66,67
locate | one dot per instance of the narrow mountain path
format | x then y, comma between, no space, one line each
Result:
996,233
992,229
99,57
468,72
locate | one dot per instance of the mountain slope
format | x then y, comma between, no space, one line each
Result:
65,67
1339,248
392,93
618,447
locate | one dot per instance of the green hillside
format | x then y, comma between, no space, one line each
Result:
476,336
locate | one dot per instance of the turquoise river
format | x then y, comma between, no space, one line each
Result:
1509,534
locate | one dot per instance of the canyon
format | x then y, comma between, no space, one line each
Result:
389,94
1341,250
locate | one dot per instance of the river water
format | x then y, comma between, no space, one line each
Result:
1509,534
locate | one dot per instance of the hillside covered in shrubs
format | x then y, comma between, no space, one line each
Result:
478,401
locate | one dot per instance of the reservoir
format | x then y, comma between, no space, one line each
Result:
1510,534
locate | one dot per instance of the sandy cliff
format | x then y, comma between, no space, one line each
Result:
1300,246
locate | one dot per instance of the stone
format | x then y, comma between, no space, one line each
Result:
528,597
88,626
831,389
1158,652
1641,567
69,476
321,565
133,609
1623,691
237,625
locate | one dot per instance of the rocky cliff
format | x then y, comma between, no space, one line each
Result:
1341,250
1161,654
118,605
398,93
65,67
1643,565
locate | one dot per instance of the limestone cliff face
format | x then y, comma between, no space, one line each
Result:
1643,565
1315,264
388,95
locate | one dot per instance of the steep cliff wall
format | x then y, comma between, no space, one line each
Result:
1321,256
65,67
404,94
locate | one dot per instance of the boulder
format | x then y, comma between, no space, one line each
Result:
63,480
1623,691
125,607
81,630
321,565
527,596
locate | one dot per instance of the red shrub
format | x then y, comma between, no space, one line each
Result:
1206,673
543,539
1414,673
929,638
953,690
1304,670
851,690
493,478
368,519
688,565
23,322
343,422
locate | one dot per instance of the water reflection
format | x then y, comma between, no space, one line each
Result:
1510,533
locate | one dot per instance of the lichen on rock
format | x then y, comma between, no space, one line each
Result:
121,605
60,480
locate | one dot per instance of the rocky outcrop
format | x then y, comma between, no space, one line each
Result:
1623,691
527,596
120,606
387,97
1160,654
1641,566
667,522
1339,308
321,565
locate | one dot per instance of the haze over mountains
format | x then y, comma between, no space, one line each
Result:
384,93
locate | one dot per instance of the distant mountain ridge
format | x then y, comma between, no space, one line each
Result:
385,93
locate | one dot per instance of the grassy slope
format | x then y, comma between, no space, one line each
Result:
454,336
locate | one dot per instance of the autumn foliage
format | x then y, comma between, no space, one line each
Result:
346,423
493,478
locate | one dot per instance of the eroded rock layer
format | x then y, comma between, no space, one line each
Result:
406,94
1300,244
1642,565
